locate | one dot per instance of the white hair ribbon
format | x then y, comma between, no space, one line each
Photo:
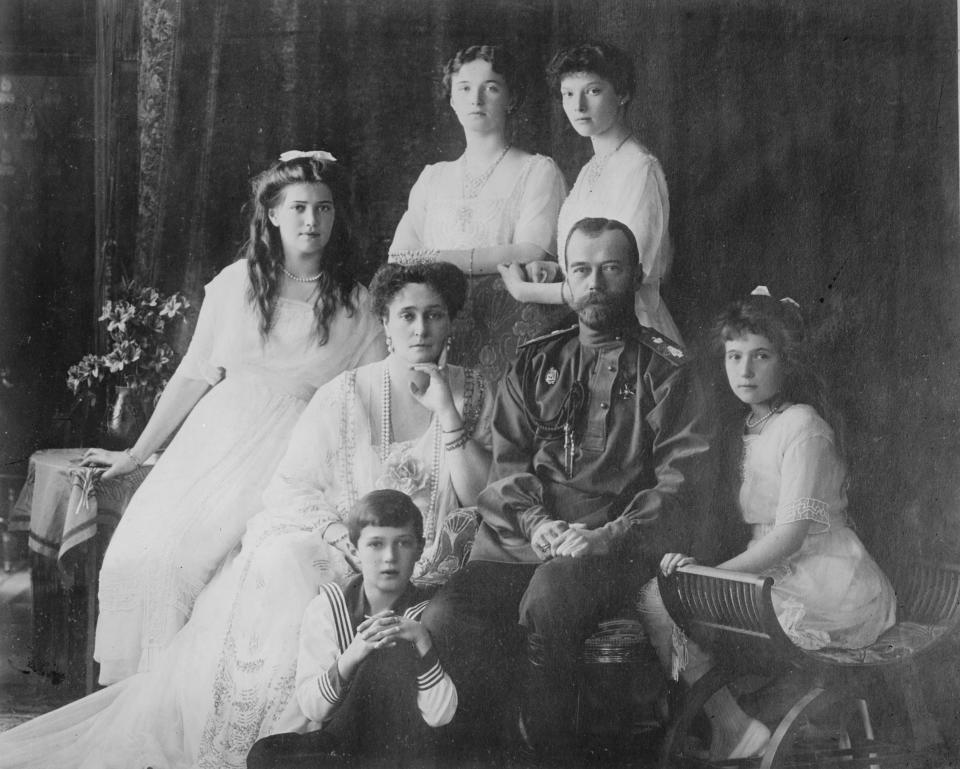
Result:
764,291
320,155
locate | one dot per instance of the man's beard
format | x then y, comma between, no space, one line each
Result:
605,312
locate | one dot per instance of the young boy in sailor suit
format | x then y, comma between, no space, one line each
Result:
367,673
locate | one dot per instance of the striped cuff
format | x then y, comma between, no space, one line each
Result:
431,672
331,685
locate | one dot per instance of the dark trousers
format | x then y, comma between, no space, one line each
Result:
485,618
376,724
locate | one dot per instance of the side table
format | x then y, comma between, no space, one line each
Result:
68,511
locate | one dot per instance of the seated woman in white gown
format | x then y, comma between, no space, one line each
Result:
409,422
827,590
274,326
495,204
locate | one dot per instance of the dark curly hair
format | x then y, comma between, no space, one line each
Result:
384,507
501,61
263,250
443,277
602,59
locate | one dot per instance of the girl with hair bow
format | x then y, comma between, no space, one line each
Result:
282,320
828,590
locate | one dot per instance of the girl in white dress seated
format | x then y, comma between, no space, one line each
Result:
496,204
410,422
827,589
622,180
275,325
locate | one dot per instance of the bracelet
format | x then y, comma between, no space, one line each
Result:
458,443
563,284
136,461
413,258
455,429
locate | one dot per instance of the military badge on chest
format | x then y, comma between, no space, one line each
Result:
627,386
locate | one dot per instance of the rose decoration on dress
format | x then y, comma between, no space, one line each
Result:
403,473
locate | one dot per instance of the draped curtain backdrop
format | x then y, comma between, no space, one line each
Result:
225,87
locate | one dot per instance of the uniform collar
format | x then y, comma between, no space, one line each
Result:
590,337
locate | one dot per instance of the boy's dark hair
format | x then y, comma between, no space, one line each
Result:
384,507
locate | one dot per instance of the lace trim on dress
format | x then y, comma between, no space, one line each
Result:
226,739
348,446
805,509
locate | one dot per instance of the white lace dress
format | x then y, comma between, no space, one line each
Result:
193,507
522,208
830,592
228,677
629,186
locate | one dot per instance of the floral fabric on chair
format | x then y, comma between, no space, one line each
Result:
454,543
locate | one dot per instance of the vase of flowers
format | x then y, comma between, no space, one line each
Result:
126,380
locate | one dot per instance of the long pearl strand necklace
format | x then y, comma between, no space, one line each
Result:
386,440
302,278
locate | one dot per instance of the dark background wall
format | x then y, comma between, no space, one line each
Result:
809,145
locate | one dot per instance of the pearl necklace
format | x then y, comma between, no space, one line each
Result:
302,279
598,162
386,440
760,422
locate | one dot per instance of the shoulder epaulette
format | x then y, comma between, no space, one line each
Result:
663,346
547,337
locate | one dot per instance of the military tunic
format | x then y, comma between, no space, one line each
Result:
597,429
618,405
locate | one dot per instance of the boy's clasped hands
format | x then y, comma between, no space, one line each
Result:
382,631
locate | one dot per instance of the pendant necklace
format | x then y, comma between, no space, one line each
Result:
386,440
471,186
598,162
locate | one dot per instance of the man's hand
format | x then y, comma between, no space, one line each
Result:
579,542
545,536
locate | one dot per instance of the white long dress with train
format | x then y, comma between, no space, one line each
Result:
195,504
228,676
